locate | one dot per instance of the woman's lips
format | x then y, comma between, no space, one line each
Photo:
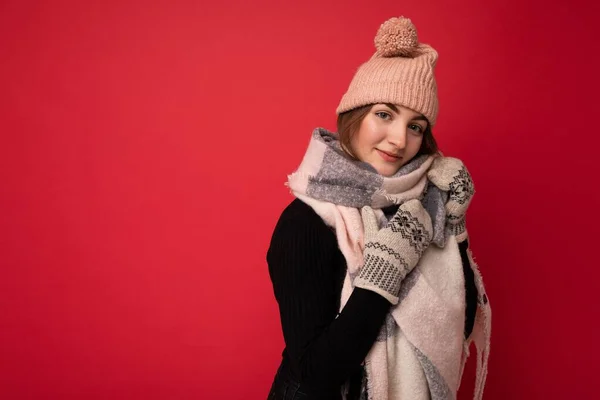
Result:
388,157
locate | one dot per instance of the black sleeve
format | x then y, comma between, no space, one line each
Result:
303,261
470,288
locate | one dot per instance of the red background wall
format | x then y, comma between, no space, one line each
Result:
144,146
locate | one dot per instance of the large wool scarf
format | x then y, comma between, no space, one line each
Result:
421,349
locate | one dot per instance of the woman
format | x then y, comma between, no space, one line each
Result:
378,293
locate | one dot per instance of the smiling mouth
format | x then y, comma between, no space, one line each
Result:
387,156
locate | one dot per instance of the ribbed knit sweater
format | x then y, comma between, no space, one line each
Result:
324,348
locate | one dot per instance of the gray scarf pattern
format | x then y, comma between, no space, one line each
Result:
343,181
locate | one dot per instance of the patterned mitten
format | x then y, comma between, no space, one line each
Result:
392,252
450,175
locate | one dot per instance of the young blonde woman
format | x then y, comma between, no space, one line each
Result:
378,293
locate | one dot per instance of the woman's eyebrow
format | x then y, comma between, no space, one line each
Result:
393,107
417,118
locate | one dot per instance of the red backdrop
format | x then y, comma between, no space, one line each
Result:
144,147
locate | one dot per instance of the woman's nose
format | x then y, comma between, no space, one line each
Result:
397,137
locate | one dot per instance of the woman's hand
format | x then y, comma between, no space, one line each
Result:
392,252
450,175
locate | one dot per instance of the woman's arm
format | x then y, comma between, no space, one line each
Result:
470,288
304,265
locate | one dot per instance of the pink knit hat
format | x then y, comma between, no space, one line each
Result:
400,72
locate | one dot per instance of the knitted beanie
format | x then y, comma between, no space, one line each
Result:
400,72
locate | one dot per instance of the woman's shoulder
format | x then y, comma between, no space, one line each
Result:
303,252
298,219
298,209
298,213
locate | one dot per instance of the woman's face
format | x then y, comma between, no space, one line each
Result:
389,137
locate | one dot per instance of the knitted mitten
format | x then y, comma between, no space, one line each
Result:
450,175
392,252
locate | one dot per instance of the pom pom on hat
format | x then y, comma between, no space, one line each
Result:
397,37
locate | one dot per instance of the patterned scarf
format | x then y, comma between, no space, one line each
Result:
421,350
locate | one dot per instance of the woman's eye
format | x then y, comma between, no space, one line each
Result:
416,128
383,115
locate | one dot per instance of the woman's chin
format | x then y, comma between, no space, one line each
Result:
387,170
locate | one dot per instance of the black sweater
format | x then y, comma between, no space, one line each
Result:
307,269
